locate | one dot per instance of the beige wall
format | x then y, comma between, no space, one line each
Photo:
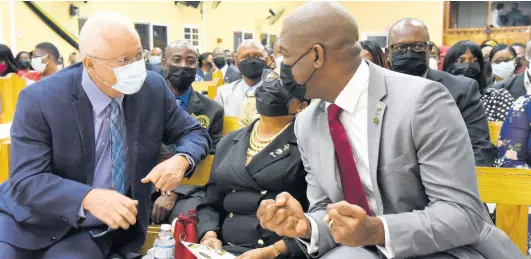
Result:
377,17
248,16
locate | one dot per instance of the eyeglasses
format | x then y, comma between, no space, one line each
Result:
502,60
403,47
141,56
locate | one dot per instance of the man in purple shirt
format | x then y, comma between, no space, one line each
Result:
85,144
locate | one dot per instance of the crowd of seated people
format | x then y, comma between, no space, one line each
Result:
328,179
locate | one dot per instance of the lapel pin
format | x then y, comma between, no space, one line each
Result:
278,151
286,147
376,121
379,108
272,154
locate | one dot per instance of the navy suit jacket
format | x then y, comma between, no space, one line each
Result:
53,158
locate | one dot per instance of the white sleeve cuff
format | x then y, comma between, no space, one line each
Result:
387,249
313,246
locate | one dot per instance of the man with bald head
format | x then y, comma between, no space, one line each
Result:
154,61
409,52
84,151
390,167
229,73
251,60
180,64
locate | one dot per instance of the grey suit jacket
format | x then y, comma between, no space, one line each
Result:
422,169
232,75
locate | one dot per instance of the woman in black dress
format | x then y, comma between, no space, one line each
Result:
254,164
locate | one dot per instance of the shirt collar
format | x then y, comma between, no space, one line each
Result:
185,97
249,89
224,69
98,99
354,89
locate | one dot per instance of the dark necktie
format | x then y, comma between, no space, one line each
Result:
350,178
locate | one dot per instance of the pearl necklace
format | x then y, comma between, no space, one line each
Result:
258,143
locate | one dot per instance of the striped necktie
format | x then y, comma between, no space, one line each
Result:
118,151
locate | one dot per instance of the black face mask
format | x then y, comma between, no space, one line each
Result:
181,78
470,70
252,68
410,62
272,100
24,64
220,62
289,83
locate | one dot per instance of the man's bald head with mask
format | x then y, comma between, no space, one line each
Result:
408,47
319,41
251,60
180,63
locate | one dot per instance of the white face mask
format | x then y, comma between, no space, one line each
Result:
503,70
37,64
129,78
433,64
155,60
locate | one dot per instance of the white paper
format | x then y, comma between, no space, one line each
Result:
205,252
4,130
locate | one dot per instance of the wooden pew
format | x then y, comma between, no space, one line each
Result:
494,130
10,87
230,123
4,159
200,178
509,189
208,87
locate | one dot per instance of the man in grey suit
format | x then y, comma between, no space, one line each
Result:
390,166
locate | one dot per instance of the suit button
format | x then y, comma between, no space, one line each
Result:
264,192
231,215
260,242
53,238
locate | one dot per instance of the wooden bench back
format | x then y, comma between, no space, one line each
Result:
509,189
204,86
494,130
230,123
10,87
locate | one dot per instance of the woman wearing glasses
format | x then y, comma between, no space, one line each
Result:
502,60
253,164
516,85
465,58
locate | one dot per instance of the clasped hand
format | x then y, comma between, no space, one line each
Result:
284,216
351,226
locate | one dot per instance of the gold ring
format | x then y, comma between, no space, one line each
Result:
330,223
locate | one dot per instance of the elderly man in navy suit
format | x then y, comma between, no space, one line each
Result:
84,149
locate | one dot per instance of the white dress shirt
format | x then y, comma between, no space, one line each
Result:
224,70
353,99
231,96
527,83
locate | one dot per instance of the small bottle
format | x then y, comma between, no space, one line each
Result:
164,247
149,254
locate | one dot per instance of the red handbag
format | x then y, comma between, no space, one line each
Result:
185,229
